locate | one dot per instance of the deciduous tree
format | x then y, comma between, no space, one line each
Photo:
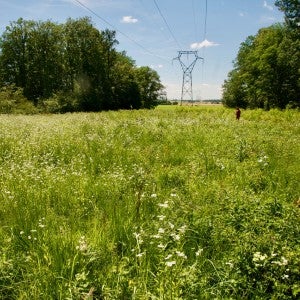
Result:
266,71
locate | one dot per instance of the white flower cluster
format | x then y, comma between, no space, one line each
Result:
165,235
282,262
263,160
82,244
259,259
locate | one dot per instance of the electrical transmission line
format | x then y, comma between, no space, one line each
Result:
166,23
117,30
204,37
205,20
187,68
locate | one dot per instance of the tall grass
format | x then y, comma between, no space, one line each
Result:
180,203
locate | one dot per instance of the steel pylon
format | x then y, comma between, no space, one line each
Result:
187,80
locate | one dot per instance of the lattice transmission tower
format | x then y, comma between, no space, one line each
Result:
187,68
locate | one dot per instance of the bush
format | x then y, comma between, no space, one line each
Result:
59,103
12,101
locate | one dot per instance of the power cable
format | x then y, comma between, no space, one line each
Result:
166,24
204,38
205,21
119,31
195,25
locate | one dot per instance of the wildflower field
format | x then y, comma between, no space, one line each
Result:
170,203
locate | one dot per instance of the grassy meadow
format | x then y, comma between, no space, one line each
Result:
171,203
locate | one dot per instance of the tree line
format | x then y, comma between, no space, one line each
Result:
266,71
71,67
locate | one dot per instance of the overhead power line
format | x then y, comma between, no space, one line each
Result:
166,23
204,38
187,85
119,31
195,25
205,21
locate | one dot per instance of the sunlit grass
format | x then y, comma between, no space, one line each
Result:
172,203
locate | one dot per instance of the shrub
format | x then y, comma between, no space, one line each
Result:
12,101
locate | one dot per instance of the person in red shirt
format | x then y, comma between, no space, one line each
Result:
238,113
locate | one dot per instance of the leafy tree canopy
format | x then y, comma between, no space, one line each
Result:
291,10
266,71
73,67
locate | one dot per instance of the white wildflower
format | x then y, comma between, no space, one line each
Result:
182,229
161,246
176,237
170,263
164,205
198,253
140,254
161,217
153,195
156,236
173,195
168,257
181,254
137,235
230,264
257,256
161,230
284,261
82,244
263,160
171,225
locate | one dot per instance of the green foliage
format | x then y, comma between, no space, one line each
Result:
74,59
266,73
12,101
60,103
125,93
170,203
291,9
150,86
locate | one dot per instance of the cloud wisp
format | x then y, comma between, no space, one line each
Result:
203,44
267,6
129,20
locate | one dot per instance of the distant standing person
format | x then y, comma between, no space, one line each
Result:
238,113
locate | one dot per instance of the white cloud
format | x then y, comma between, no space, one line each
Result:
156,66
267,6
129,19
203,44
241,14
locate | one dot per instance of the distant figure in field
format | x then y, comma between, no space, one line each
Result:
238,113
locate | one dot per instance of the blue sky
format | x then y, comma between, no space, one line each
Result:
153,31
